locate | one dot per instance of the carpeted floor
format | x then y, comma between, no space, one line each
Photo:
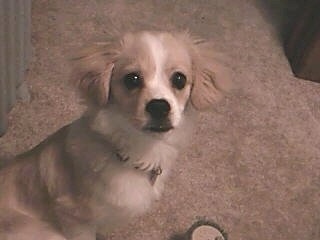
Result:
254,163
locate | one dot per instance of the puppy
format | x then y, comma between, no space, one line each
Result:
111,164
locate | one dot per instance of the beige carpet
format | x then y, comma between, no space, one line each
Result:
254,164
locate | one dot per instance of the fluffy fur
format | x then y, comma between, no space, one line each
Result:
111,164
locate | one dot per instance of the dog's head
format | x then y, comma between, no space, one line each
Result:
151,77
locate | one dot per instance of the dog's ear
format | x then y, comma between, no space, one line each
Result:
210,77
92,71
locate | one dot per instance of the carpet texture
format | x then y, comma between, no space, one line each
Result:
254,163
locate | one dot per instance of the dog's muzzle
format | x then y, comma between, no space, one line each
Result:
159,111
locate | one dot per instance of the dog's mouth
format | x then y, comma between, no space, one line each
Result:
160,127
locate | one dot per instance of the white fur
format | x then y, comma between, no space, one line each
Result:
156,86
124,191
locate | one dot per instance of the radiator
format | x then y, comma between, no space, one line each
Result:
15,16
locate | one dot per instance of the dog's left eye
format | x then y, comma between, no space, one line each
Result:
132,81
178,80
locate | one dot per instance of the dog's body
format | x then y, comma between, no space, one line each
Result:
85,179
111,164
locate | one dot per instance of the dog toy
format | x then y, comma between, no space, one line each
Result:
206,230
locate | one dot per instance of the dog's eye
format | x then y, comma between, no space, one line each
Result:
132,80
178,80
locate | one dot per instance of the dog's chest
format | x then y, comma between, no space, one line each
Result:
116,168
128,188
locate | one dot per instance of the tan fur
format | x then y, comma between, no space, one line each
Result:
95,173
210,77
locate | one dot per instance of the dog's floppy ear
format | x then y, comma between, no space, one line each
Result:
210,78
92,71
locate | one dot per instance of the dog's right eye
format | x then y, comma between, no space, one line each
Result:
132,81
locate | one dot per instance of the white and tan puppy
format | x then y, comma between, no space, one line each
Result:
110,164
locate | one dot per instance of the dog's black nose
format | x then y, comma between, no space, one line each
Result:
158,108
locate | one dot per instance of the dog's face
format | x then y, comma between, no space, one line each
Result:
151,77
152,80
